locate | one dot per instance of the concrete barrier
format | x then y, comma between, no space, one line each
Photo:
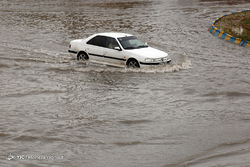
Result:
245,43
223,36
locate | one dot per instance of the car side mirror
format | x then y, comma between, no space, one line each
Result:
117,48
146,43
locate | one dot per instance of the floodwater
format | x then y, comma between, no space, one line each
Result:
56,111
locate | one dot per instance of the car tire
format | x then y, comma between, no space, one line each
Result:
133,64
82,56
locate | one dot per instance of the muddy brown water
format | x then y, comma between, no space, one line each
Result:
56,111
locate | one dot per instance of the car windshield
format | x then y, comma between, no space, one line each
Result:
131,42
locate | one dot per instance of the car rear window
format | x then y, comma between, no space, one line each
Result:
98,41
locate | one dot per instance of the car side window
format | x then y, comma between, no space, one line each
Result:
98,41
111,43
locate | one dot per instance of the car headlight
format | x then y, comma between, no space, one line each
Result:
166,58
157,60
148,60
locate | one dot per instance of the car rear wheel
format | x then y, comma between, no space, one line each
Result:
82,56
133,64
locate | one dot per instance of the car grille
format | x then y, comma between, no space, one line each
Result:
162,59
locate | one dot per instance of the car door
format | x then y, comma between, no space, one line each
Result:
95,48
112,55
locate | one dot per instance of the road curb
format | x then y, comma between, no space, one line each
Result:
222,35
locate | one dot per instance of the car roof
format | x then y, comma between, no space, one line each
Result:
114,34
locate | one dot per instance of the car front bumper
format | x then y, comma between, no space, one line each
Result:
145,64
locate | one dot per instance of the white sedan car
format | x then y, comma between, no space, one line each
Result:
117,49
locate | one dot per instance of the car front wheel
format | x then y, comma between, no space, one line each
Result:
133,64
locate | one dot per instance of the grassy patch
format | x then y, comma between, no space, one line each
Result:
237,25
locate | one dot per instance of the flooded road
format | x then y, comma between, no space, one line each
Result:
56,111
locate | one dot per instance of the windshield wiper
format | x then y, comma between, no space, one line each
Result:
129,48
142,46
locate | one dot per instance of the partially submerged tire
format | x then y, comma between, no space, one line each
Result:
133,64
82,56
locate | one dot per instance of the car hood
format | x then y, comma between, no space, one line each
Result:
148,52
